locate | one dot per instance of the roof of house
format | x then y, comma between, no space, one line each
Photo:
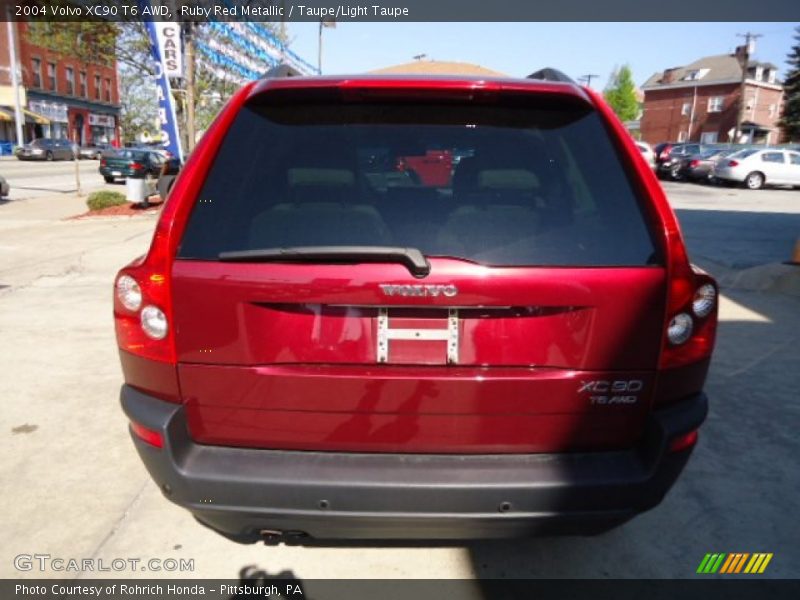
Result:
722,68
437,67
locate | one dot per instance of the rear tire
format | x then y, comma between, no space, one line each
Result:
754,181
108,179
48,156
675,173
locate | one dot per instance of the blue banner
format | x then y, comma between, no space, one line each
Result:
168,123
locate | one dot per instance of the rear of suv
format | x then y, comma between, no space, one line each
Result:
320,345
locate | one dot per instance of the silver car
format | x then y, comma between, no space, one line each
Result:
758,167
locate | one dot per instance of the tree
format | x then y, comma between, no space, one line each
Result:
620,93
790,119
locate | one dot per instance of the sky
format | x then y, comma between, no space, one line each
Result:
518,49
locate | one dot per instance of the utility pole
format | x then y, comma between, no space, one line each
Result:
189,66
12,53
587,79
743,54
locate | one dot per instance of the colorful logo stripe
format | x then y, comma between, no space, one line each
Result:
736,562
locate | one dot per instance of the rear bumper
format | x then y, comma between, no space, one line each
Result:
332,496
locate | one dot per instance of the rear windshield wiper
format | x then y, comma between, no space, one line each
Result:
411,258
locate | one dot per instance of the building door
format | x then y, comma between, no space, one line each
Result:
80,133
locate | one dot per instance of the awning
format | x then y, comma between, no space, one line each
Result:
7,114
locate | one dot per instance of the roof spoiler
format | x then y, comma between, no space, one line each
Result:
548,74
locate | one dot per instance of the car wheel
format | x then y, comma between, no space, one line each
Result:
108,179
754,181
48,156
675,173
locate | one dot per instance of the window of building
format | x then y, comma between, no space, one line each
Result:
681,136
70,81
695,74
36,71
771,76
709,137
108,90
715,103
84,91
686,108
772,110
51,76
759,73
97,87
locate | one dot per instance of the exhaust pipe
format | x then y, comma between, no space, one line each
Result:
274,537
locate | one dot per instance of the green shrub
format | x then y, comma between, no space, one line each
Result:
104,199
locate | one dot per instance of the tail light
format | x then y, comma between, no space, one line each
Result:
691,319
137,166
150,436
733,163
143,315
688,336
103,162
694,163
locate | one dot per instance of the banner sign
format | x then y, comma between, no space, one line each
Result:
169,45
167,121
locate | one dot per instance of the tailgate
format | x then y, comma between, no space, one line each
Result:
320,357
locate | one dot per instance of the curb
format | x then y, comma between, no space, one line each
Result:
775,277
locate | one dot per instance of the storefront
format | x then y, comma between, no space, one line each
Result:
56,115
102,128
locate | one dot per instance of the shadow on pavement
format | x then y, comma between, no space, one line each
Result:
738,492
252,577
737,239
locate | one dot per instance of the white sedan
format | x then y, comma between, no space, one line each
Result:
756,168
647,153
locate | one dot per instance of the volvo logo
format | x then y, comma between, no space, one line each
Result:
419,290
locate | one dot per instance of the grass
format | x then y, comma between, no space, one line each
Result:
104,199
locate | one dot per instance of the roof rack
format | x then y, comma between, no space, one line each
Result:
548,74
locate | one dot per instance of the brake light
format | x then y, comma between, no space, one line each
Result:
733,163
150,436
103,162
136,166
694,163
143,314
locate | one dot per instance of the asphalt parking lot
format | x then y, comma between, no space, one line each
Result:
74,487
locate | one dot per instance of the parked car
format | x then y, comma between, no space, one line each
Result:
669,157
310,351
46,149
700,166
5,189
647,152
756,168
130,162
95,151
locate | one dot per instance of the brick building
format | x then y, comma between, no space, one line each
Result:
700,102
62,97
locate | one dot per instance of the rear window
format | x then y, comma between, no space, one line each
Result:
500,186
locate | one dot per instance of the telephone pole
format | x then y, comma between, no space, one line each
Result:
743,54
587,79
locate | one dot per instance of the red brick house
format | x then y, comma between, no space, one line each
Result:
700,102
64,97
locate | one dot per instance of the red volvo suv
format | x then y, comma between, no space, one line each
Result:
321,345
